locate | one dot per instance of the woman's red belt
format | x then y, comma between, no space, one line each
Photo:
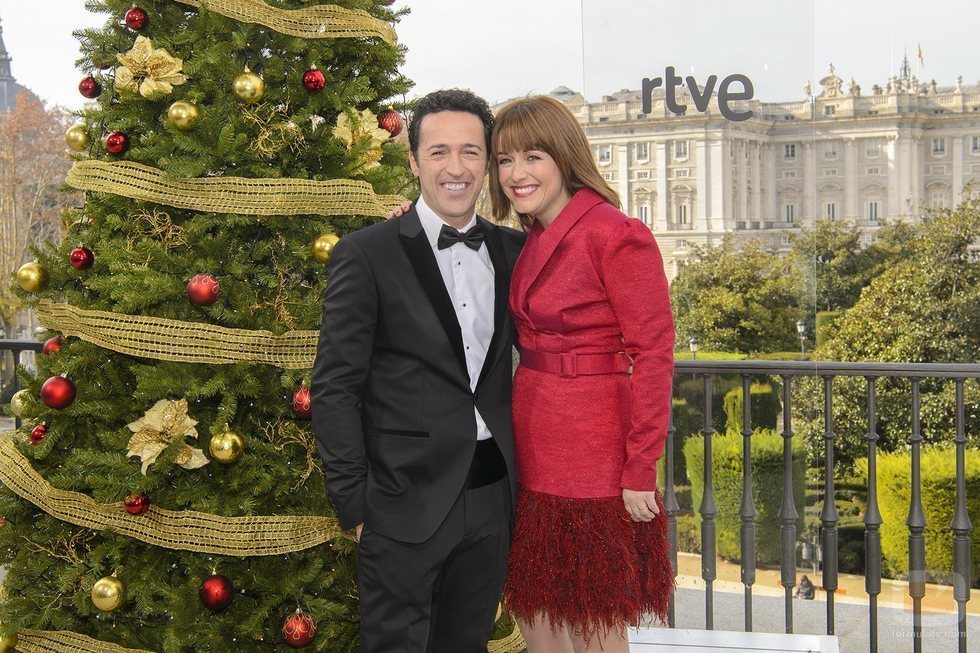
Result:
575,364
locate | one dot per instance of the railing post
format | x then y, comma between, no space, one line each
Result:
828,514
747,509
671,508
961,524
872,522
787,509
917,525
708,510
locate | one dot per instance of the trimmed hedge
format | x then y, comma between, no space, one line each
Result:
825,321
765,407
938,503
767,487
691,390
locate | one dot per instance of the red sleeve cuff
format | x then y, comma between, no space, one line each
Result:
641,478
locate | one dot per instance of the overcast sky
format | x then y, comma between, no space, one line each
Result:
506,48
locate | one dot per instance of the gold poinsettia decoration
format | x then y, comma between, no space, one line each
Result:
160,427
148,71
361,129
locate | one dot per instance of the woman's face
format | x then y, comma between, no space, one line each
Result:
533,184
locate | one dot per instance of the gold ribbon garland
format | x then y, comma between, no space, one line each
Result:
159,338
64,641
512,643
245,196
320,22
184,530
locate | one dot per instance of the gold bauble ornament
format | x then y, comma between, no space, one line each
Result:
248,87
19,403
323,246
226,447
77,138
33,276
8,643
183,115
108,594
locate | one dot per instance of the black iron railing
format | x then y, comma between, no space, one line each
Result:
789,515
788,371
17,348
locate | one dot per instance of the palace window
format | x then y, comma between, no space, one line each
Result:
789,151
644,213
873,149
832,210
642,151
790,212
682,214
680,150
938,146
603,153
873,211
976,145
830,150
830,110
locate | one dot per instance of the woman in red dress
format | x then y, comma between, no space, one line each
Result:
591,403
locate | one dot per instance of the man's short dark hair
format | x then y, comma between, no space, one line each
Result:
452,99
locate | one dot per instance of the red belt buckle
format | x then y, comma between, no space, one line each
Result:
566,365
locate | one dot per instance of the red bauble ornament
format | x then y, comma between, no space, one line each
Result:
216,592
58,392
313,80
117,143
203,289
299,629
81,258
137,504
301,402
136,18
52,345
391,121
39,432
89,87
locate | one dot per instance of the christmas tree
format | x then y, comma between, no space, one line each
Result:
164,493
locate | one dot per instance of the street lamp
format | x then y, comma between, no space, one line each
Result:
801,331
693,343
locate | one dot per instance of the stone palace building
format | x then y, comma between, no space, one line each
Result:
843,153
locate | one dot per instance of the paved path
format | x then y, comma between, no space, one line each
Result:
809,617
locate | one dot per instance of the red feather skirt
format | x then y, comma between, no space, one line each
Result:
584,563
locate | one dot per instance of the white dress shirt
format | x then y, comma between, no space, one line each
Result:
469,278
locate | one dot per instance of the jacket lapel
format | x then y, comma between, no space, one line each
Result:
533,259
501,286
423,261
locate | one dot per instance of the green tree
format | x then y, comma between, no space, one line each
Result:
830,265
924,308
736,299
264,521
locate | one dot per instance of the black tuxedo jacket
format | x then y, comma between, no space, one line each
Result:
392,405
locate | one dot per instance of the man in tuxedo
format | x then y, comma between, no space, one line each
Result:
411,396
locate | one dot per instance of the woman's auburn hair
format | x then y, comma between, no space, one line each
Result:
540,122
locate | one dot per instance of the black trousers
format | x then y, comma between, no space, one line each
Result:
439,596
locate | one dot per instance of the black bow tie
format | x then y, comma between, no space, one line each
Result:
449,237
